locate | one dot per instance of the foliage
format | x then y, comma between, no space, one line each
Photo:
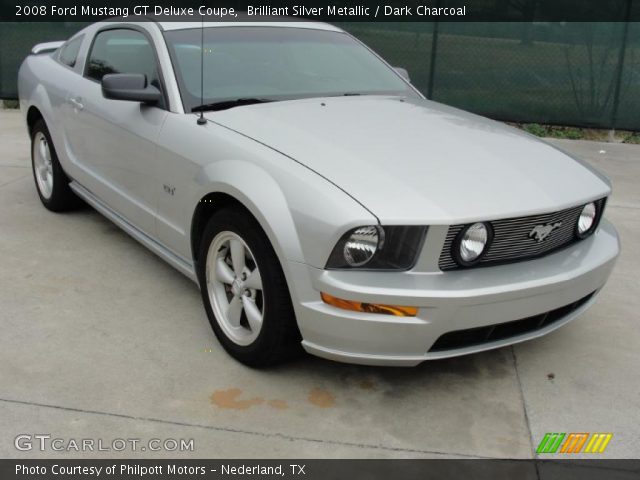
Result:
536,129
11,104
633,138
554,131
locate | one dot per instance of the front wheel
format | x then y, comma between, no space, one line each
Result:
245,292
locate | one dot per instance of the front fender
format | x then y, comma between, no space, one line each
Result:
301,212
261,195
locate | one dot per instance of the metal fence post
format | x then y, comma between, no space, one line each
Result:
432,63
620,69
3,87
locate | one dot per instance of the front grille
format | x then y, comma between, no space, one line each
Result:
511,241
501,331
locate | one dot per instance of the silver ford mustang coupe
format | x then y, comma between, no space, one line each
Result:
313,194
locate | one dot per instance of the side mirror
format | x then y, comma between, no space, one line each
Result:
403,73
129,86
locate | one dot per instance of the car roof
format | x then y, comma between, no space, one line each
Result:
168,23
285,24
241,19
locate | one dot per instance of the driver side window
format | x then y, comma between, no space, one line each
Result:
122,51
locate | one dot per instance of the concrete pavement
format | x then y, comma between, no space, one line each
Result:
101,339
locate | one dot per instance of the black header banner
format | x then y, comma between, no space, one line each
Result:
324,10
32,469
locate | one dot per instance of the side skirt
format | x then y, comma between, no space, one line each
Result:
179,263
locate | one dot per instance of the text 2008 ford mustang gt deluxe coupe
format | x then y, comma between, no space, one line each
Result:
313,194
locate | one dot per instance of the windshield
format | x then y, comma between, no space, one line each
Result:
276,63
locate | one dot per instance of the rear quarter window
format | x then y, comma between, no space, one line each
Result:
69,52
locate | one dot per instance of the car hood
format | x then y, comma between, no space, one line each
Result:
414,161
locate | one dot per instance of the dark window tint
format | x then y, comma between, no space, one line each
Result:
122,51
69,52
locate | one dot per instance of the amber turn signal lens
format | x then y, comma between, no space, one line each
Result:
396,310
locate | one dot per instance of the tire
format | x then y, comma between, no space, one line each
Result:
233,238
52,184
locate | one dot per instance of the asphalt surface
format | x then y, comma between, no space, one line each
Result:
103,340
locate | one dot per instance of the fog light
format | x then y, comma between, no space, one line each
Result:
397,310
587,219
472,243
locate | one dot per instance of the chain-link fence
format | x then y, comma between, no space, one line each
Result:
16,40
582,74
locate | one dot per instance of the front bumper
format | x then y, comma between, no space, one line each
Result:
447,301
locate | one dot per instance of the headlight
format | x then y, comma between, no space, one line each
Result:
587,220
362,244
378,248
472,243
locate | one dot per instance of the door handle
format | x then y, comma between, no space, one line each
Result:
76,102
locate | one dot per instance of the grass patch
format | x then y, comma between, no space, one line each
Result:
536,129
570,133
574,133
11,104
554,131
632,138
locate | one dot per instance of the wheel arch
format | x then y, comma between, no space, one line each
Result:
207,206
245,186
37,106
33,115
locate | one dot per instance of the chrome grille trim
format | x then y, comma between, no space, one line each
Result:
511,241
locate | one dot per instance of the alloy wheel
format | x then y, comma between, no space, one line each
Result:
43,165
234,285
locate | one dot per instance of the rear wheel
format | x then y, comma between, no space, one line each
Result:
245,292
52,183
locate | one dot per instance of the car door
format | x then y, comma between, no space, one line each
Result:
64,72
114,141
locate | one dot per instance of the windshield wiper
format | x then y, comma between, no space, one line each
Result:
226,104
